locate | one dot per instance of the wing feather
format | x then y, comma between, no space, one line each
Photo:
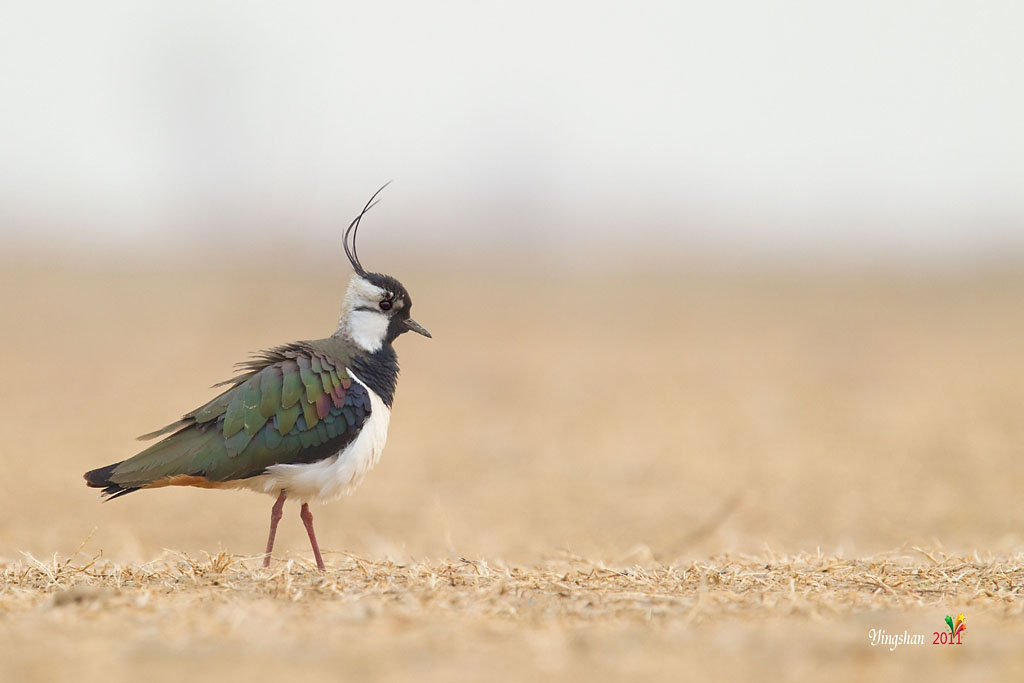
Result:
292,404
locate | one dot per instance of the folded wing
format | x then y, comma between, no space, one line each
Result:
292,404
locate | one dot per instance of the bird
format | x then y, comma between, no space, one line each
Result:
305,420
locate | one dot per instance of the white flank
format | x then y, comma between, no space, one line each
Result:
332,477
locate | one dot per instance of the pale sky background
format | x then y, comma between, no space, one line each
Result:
774,126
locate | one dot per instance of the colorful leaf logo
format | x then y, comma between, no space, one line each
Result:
957,626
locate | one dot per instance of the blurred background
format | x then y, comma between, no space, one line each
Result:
742,126
701,276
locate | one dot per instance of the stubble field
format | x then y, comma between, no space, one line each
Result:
674,471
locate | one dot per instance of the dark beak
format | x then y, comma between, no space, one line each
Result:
416,327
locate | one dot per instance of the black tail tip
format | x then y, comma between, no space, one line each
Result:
100,479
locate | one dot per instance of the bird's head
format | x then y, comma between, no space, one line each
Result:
377,307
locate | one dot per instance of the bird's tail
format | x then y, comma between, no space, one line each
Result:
100,479
184,453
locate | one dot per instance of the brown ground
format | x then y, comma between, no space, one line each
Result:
691,471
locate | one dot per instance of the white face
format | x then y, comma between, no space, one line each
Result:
362,318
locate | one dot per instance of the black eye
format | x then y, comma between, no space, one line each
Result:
385,305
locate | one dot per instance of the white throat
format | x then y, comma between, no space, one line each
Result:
361,319
366,328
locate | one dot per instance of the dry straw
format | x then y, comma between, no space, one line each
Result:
569,588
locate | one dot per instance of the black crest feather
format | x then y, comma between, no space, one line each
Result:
353,230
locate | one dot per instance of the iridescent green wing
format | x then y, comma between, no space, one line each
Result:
294,404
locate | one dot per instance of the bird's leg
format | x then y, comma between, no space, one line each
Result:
307,519
275,517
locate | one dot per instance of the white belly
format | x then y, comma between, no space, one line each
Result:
332,477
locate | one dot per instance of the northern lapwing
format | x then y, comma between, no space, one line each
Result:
305,420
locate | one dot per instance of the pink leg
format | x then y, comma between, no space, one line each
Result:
307,519
275,517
